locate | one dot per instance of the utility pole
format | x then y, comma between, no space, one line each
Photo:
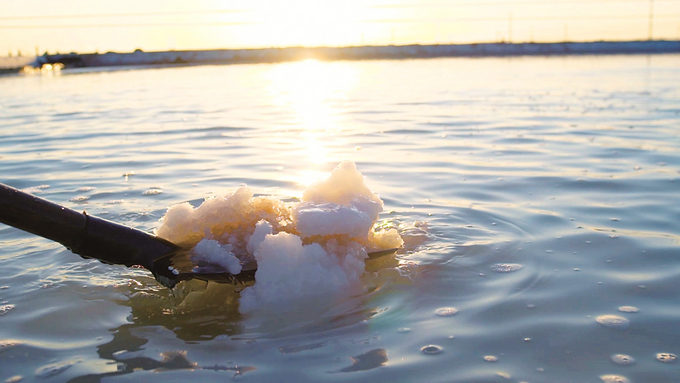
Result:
510,27
651,20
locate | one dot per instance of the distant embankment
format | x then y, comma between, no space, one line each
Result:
233,56
14,64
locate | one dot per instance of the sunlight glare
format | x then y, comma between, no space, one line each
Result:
312,90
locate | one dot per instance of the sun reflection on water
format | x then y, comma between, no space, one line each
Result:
312,91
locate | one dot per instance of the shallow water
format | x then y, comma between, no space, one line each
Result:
536,196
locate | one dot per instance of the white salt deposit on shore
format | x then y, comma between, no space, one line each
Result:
313,248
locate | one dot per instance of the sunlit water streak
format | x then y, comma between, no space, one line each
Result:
565,166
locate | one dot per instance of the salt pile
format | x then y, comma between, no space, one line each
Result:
313,248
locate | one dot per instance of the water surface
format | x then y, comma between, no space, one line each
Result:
535,195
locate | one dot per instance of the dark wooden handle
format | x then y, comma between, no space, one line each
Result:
85,235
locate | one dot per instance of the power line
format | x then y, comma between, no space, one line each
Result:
145,25
103,15
485,3
382,21
500,18
651,19
412,5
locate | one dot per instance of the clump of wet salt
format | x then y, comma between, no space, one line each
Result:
313,248
288,270
214,253
320,219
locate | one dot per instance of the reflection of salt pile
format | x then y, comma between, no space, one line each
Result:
313,248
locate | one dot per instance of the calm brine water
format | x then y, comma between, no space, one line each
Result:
538,197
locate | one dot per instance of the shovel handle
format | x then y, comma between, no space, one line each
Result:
83,234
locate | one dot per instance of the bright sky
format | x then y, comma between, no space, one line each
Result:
152,25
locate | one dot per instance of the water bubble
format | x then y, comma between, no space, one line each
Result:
623,360
491,358
14,379
446,311
4,287
404,329
153,192
613,236
629,309
4,309
531,306
613,321
666,357
432,349
527,339
506,267
80,199
614,379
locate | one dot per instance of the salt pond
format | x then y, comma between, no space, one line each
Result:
534,195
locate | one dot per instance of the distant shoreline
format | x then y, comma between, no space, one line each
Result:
271,55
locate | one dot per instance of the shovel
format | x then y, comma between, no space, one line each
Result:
112,243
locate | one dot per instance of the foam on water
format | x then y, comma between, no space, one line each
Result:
613,321
313,248
666,357
506,267
622,359
614,379
446,311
